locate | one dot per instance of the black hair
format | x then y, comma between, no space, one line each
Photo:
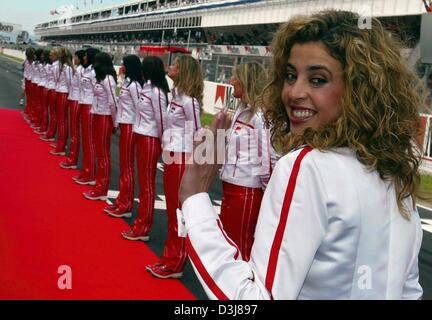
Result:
30,53
153,69
80,54
90,53
103,66
47,59
38,55
133,68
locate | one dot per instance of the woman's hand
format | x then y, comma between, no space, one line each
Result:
199,175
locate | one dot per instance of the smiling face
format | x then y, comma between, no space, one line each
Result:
313,87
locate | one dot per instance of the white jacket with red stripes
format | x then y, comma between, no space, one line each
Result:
27,70
35,72
128,101
87,83
249,155
150,117
51,74
183,121
74,91
328,228
63,76
105,100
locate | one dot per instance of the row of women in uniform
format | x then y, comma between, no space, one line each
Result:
79,93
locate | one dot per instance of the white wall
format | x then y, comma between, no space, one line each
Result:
13,53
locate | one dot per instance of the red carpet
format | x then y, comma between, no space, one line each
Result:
45,223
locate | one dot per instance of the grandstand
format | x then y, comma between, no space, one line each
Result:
220,33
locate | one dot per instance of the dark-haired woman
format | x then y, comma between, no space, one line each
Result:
148,128
127,105
87,83
104,111
74,112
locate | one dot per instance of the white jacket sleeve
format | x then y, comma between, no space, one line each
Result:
265,150
110,87
412,288
290,229
192,112
134,90
159,105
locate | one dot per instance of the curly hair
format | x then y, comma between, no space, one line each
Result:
380,119
190,81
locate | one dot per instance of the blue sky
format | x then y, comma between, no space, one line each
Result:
30,12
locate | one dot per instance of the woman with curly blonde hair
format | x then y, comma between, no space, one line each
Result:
338,219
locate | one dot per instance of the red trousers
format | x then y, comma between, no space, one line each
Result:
174,255
62,121
34,105
125,198
39,106
27,89
74,127
52,127
44,103
148,152
36,110
88,160
103,128
239,214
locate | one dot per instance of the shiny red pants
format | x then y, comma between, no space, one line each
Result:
174,255
39,106
125,198
62,121
89,155
27,89
44,104
239,215
74,128
148,151
52,127
103,128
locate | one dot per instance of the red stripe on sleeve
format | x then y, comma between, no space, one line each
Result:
277,241
160,111
203,272
228,239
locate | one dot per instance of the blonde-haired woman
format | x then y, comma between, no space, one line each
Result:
338,218
182,122
248,155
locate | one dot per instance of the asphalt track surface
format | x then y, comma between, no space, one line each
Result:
11,92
